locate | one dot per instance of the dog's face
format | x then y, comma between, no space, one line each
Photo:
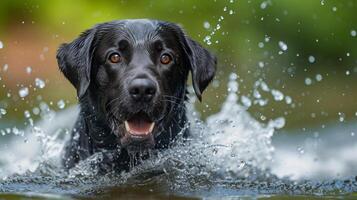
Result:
133,74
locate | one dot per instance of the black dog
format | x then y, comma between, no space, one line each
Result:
130,77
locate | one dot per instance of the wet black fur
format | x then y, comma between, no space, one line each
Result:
101,87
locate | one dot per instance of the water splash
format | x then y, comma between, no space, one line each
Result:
231,151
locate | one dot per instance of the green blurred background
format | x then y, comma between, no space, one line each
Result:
304,48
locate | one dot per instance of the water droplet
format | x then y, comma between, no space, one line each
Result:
278,96
334,9
318,77
347,72
341,116
283,46
266,38
36,111
353,33
207,40
2,111
308,81
23,92
311,59
301,150
5,67
231,12
206,25
246,101
28,69
322,2
264,5
1,45
260,44
352,133
288,100
278,123
27,114
40,83
61,104
261,64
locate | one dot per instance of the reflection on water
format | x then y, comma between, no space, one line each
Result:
231,154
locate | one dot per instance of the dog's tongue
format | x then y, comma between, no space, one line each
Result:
139,126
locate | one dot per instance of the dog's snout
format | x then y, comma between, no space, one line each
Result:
142,89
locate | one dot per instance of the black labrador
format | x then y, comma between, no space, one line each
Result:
130,77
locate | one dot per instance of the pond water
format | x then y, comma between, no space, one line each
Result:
230,155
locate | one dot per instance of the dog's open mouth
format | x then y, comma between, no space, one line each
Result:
139,125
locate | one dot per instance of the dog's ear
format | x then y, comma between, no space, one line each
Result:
74,60
202,63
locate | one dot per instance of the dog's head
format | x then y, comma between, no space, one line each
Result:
134,72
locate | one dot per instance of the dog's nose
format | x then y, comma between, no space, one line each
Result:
142,89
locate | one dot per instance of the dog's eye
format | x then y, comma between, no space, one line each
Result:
115,58
165,59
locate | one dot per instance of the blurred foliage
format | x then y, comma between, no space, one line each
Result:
248,34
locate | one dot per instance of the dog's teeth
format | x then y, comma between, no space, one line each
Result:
151,127
126,126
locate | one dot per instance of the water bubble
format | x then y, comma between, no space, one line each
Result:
347,72
261,64
40,83
28,69
260,44
206,25
246,101
23,92
1,45
61,104
311,59
308,81
334,9
278,96
318,77
283,46
353,33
